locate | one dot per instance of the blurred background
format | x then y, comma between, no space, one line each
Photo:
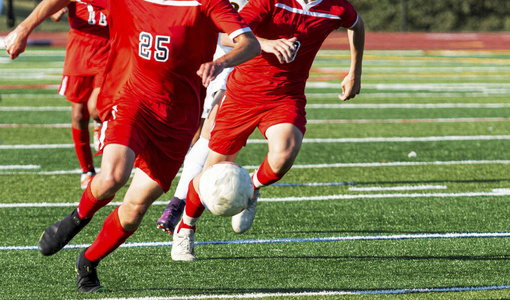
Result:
379,15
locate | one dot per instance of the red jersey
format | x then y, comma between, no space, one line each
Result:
157,48
264,78
87,44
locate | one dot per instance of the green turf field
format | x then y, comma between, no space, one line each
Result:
402,193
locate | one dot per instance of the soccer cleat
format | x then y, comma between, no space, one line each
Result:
86,177
243,220
55,237
87,275
96,130
183,245
171,215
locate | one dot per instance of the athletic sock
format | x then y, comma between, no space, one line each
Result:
265,175
111,236
89,204
81,139
193,164
193,209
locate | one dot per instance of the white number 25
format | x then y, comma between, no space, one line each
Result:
149,45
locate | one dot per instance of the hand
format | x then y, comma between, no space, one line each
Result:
16,41
282,48
56,17
351,86
208,71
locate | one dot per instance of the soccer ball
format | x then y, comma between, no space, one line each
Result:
225,189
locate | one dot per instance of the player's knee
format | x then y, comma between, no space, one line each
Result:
132,215
111,182
281,161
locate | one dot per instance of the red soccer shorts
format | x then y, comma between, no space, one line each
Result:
159,147
237,119
77,89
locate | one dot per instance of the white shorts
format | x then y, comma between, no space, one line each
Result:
219,83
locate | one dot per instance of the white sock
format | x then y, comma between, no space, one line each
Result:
189,220
193,164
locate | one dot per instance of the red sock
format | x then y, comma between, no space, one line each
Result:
81,139
89,204
265,174
194,207
111,236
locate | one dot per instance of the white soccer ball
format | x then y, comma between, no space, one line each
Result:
225,189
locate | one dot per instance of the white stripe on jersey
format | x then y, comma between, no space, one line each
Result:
175,3
63,86
307,12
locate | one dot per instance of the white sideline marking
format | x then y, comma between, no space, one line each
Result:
61,125
389,94
22,167
35,108
438,120
396,139
382,196
328,293
463,87
319,140
408,105
312,166
338,121
495,193
399,188
317,106
298,240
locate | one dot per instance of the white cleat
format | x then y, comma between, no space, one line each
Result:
183,246
243,220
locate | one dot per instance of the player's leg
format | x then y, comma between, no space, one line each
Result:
117,228
91,105
284,142
193,164
183,237
116,167
81,139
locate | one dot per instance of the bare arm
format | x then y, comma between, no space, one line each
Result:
245,48
16,40
283,49
57,17
351,85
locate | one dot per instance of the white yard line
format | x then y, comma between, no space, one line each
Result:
495,193
19,167
397,188
317,166
318,106
452,138
397,121
323,294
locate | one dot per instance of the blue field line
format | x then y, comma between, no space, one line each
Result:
298,240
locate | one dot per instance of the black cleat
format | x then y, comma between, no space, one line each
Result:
87,275
55,237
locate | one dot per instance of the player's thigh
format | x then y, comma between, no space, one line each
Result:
117,163
284,140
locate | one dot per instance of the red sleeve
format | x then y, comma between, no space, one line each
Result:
225,17
255,11
349,15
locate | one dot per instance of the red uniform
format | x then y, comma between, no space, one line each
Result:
152,96
262,92
86,51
